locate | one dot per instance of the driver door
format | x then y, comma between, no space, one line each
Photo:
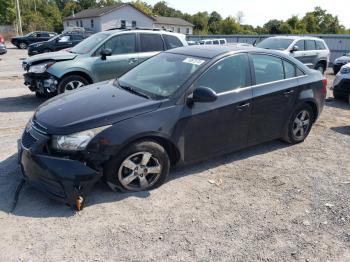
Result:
213,128
124,57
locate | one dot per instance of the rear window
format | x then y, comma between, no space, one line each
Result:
310,45
151,43
172,41
320,45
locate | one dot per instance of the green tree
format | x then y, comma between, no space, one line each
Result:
7,12
273,26
200,22
143,6
214,22
229,26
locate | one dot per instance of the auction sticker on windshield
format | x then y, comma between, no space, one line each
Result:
193,61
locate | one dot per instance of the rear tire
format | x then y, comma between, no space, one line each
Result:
70,83
320,67
141,166
299,125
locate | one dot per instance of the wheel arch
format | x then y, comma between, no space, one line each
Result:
322,62
313,105
78,73
172,150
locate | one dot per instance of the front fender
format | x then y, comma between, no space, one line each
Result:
60,69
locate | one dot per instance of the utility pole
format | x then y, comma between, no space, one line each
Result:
19,19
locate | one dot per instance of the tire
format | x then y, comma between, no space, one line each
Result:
320,67
22,45
72,82
129,164
290,134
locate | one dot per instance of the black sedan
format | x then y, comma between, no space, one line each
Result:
23,42
181,106
59,42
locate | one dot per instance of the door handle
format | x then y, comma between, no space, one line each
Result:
288,93
132,60
243,106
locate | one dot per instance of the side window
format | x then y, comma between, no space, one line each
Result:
320,45
64,38
267,68
43,34
222,42
215,42
289,70
301,45
121,44
226,75
299,72
310,45
172,41
77,37
34,35
151,42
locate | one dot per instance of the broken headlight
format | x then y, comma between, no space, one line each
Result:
77,141
40,68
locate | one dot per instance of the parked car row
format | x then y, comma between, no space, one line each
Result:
183,105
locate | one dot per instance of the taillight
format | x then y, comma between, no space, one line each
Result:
324,85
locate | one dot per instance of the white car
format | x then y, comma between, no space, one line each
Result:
311,51
221,41
341,84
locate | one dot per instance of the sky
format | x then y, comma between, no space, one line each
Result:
258,12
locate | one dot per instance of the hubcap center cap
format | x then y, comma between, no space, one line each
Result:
141,171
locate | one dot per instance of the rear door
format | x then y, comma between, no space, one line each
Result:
274,95
150,45
310,57
124,57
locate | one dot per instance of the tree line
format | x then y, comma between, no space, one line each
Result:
48,15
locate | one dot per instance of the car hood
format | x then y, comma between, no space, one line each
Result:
89,107
342,59
56,56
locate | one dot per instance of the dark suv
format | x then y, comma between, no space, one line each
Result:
183,105
23,42
63,41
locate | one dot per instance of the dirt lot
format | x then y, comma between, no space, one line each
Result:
272,202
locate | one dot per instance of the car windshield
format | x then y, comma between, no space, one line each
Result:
275,43
161,75
54,38
89,43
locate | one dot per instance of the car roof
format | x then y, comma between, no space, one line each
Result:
151,31
295,37
211,51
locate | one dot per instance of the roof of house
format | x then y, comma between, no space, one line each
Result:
96,12
171,21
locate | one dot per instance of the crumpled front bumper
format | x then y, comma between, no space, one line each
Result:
62,179
43,83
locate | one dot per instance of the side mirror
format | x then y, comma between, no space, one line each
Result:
294,49
203,95
105,52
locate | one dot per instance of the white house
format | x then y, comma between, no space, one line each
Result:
124,15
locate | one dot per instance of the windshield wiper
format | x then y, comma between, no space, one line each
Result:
132,90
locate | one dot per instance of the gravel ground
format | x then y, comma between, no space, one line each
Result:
271,202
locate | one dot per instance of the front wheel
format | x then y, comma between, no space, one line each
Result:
23,45
299,125
71,82
140,167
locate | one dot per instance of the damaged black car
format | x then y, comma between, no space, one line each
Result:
181,106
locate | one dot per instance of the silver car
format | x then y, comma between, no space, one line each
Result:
311,51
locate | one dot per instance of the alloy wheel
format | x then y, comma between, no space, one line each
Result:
301,125
23,45
139,171
70,86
